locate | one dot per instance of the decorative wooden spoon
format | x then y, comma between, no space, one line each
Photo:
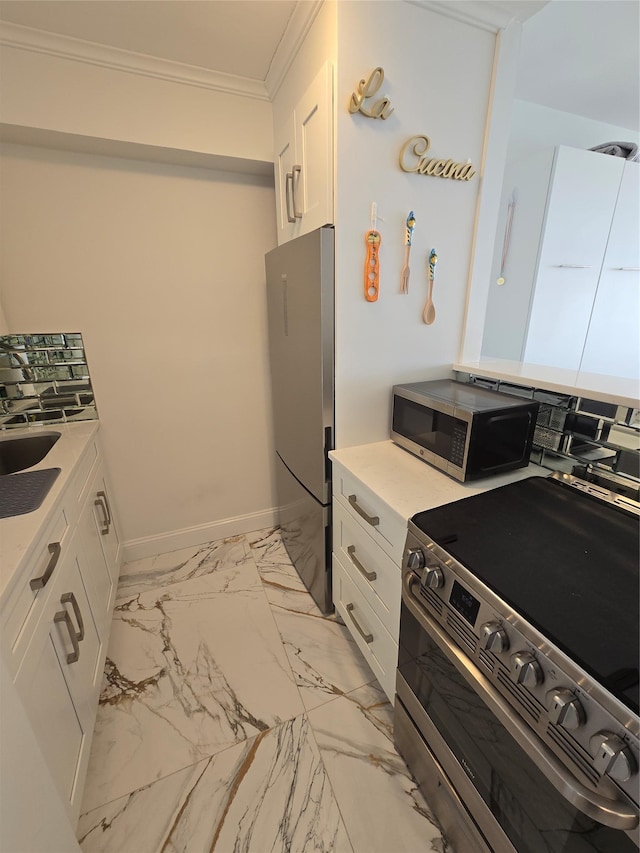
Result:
429,313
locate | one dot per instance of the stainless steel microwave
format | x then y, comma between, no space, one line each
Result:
467,431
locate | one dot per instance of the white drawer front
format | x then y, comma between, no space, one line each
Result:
386,527
374,641
374,573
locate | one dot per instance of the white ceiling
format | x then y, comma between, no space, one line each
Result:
238,37
581,56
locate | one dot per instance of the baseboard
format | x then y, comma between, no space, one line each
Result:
150,546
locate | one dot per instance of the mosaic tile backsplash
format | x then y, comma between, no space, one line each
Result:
44,379
593,440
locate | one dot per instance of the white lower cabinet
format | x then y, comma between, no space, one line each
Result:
56,625
366,580
59,679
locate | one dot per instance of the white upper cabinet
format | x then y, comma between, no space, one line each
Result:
613,341
580,205
304,161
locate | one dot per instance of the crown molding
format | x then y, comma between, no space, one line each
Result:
299,24
91,53
487,15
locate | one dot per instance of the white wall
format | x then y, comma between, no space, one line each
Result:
437,75
161,268
56,93
535,128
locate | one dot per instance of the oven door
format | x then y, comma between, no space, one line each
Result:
449,722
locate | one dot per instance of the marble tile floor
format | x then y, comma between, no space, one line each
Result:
234,717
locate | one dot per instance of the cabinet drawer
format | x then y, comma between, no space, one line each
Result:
25,606
374,641
374,573
386,528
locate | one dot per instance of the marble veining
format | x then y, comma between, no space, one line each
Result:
192,667
354,735
235,716
189,563
269,793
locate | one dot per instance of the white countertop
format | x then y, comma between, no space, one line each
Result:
19,534
608,389
408,485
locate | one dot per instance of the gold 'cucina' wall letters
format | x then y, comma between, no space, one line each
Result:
413,158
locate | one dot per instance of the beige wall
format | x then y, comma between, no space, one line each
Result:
161,268
56,93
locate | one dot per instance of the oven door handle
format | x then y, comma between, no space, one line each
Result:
610,812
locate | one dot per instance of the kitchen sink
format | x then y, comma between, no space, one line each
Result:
16,454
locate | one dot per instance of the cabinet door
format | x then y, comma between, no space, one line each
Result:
614,331
100,585
105,517
285,160
58,692
313,185
580,207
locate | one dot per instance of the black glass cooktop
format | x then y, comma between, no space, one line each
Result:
565,560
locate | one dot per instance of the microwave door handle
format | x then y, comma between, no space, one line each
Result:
612,813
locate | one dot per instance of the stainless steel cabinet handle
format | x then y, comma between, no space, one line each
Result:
351,551
627,269
373,520
69,598
63,616
368,638
575,266
288,190
297,170
610,812
103,495
103,530
38,583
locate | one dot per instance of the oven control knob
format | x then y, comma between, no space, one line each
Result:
526,670
433,577
612,756
415,559
564,709
494,637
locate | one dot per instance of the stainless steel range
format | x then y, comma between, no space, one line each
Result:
517,682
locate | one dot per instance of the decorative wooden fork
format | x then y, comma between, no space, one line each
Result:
405,271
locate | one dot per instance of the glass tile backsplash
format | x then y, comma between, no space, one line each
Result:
596,441
44,379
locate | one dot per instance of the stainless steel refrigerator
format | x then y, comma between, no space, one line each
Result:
300,300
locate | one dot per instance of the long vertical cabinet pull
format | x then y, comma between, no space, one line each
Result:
297,170
99,502
288,192
104,497
70,598
37,583
63,616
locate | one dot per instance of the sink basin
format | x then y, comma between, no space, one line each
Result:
16,454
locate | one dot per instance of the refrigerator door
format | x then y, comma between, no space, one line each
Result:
306,533
300,277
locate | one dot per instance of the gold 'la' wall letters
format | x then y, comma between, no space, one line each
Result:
366,90
413,158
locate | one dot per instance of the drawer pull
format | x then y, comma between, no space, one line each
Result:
351,551
368,638
105,521
38,583
373,520
104,497
69,597
63,616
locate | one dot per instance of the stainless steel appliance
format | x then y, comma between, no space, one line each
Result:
300,299
465,430
517,683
